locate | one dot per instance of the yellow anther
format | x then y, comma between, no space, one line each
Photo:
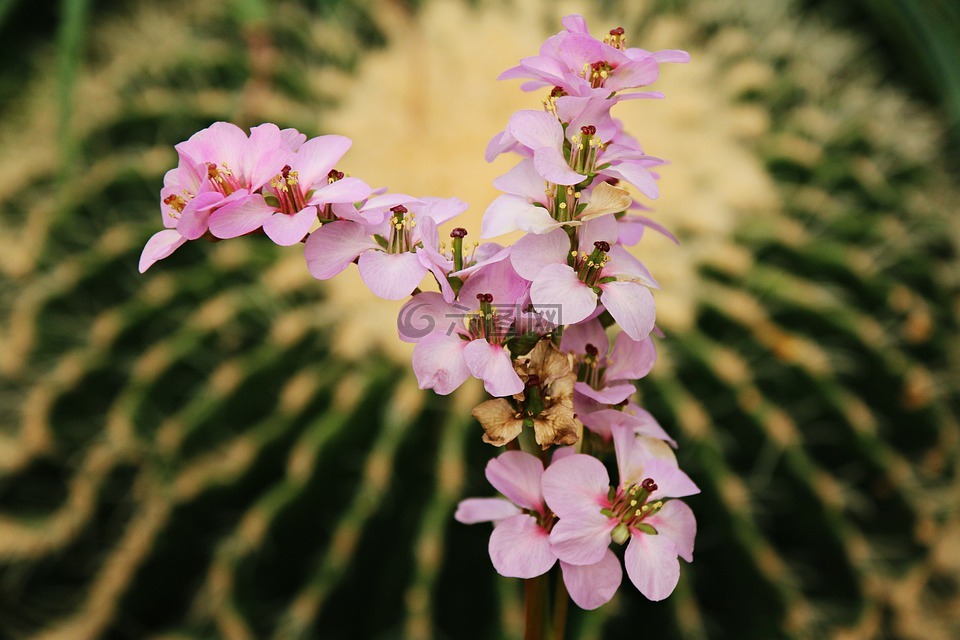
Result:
573,254
562,205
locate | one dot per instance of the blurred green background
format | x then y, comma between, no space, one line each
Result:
224,447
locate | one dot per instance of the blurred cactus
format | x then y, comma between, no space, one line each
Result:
189,454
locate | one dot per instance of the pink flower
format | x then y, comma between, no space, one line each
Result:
593,268
457,340
578,64
592,514
520,543
393,254
607,379
303,184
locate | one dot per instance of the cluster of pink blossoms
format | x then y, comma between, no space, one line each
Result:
531,320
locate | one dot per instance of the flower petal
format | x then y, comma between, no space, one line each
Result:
631,305
557,287
492,364
553,167
575,483
593,585
288,230
159,246
520,548
536,129
518,475
426,313
345,191
502,215
533,252
317,156
474,510
652,565
576,338
614,394
240,217
331,248
438,363
522,180
676,521
631,359
391,276
582,537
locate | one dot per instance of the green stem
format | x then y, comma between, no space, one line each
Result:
560,601
534,593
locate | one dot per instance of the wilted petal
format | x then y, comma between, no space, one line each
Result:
474,510
593,585
499,421
606,199
159,246
631,305
520,548
574,484
517,475
391,276
652,565
438,363
676,521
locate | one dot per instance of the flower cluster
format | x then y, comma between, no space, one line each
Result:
532,321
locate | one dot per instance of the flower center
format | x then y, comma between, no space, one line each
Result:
402,223
589,266
616,39
631,507
485,322
590,367
286,189
176,203
597,73
585,148
223,178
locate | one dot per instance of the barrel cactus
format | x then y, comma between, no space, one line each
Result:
222,449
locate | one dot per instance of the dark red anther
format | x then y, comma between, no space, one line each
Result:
617,32
602,245
488,297
588,130
335,175
591,350
649,485
399,209
211,170
459,232
169,199
285,172
557,92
